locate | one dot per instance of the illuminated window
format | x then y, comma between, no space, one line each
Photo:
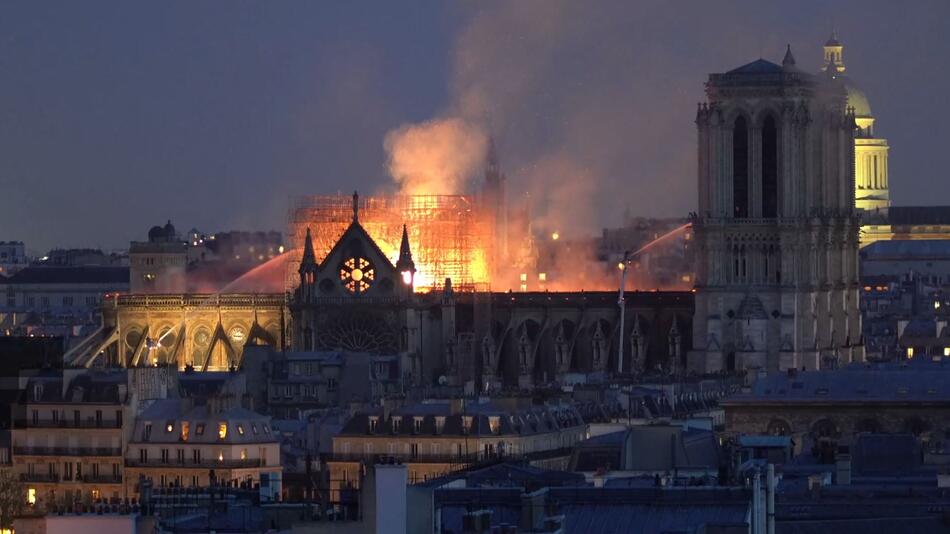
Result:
524,277
222,430
357,274
220,456
170,427
910,352
543,277
31,496
494,424
240,429
936,304
244,454
946,351
185,429
200,429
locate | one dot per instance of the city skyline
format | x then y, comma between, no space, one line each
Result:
218,122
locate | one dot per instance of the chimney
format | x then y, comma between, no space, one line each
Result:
391,499
843,467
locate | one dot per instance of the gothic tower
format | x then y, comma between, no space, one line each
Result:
776,229
870,151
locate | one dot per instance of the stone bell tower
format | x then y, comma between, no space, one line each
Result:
776,229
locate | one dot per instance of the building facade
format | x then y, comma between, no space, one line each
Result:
177,445
776,230
68,437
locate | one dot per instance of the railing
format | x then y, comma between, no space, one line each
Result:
471,458
204,464
38,477
65,423
100,479
203,300
67,451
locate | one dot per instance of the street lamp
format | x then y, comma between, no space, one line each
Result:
623,265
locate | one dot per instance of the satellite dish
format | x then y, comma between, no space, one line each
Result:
443,380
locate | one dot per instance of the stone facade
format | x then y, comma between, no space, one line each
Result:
776,229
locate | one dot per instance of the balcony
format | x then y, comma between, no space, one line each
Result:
463,459
202,464
63,423
38,477
67,451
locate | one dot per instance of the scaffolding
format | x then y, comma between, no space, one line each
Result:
450,235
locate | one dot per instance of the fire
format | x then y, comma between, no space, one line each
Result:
449,235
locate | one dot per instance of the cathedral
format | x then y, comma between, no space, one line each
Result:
776,226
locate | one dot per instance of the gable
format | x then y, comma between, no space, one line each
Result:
356,267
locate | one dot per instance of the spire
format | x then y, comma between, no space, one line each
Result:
789,61
309,259
405,262
356,207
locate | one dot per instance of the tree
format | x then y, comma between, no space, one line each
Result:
12,498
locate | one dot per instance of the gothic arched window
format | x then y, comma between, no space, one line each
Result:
740,169
769,168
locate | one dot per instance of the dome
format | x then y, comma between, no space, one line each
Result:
156,233
856,98
170,231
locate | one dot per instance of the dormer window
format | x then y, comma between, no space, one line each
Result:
397,424
170,427
200,429
494,424
417,424
439,424
147,432
466,424
240,428
373,422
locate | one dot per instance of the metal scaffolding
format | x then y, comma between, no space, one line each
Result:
450,235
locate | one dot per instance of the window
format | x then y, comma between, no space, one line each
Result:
196,456
740,169
36,417
254,428
31,496
169,427
417,424
439,424
494,424
180,453
769,158
240,428
331,384
466,424
222,430
414,450
147,432
373,421
244,454
164,456
194,481
143,456
266,428
98,417
185,430
436,449
397,424
67,301
200,429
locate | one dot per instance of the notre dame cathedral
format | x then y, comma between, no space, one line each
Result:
776,226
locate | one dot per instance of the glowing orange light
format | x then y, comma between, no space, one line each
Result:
407,277
555,236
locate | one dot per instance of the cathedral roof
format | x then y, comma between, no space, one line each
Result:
759,66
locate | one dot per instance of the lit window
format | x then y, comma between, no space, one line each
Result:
266,428
910,352
494,424
524,277
31,496
946,351
220,456
936,304
170,426
244,454
222,430
185,428
543,277
240,429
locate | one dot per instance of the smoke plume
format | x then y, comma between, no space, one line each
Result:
436,157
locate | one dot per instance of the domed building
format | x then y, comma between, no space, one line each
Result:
870,152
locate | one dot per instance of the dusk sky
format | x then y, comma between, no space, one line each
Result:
115,116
